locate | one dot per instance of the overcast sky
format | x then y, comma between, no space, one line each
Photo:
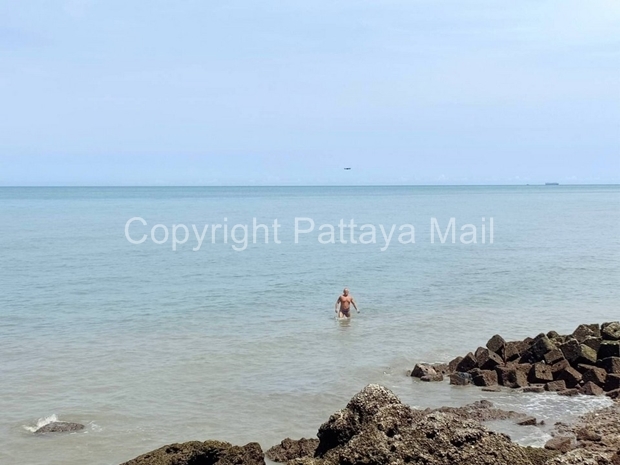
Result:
106,92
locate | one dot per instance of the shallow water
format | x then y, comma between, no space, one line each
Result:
148,346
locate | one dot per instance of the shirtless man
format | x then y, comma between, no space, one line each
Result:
345,301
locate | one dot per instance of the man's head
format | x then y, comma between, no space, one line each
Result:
345,291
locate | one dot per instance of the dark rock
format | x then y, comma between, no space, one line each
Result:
560,443
376,429
584,434
511,377
558,367
610,364
496,344
422,369
583,367
554,386
467,363
488,360
60,427
609,349
430,378
491,389
553,356
453,364
442,368
570,349
540,373
536,389
570,376
202,453
553,335
512,350
527,421
596,375
593,342
591,389
611,331
612,382
291,449
575,352
460,379
615,394
569,392
584,331
536,353
485,378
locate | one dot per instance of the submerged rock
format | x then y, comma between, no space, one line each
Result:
60,427
202,453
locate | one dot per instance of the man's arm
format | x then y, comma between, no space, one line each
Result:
337,302
354,304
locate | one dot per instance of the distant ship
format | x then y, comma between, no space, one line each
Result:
347,169
552,184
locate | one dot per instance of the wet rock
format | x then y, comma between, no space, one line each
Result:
560,443
202,453
512,377
60,427
442,368
535,389
376,429
570,376
610,364
481,410
422,369
291,449
491,389
611,331
569,392
555,386
485,378
591,389
432,377
615,394
460,379
528,421
453,364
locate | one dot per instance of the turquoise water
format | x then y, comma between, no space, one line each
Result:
147,345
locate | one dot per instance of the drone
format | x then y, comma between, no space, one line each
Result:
347,169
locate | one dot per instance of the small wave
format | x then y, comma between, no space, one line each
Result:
41,422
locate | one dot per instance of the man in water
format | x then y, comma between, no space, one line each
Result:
345,301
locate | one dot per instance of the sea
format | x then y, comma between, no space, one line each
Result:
109,318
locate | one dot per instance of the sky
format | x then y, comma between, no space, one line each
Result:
235,92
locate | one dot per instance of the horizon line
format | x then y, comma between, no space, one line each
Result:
146,186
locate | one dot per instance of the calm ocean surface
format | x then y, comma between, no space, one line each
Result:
148,346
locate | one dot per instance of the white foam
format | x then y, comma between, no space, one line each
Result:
41,422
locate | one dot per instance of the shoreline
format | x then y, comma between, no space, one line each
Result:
523,365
